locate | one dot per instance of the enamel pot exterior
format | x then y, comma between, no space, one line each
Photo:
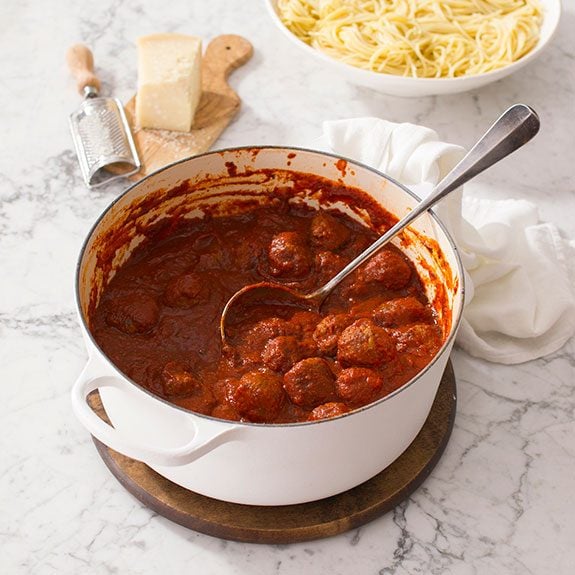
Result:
258,464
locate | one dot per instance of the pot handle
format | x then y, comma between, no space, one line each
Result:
208,434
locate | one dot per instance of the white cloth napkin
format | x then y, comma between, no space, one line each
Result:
520,294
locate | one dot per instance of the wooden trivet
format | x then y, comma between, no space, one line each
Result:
293,523
218,106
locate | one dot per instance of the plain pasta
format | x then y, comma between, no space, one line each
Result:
419,38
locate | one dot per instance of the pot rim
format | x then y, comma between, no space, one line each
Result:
455,321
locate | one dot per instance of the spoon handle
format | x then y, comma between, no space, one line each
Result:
514,128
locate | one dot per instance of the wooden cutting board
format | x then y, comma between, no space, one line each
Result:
218,106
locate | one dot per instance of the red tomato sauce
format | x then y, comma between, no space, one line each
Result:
158,318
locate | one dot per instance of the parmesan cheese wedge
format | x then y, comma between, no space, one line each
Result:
169,81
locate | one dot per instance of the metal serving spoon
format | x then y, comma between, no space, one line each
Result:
514,128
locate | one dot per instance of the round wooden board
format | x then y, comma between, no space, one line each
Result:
294,523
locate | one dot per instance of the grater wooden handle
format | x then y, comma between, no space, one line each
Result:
81,63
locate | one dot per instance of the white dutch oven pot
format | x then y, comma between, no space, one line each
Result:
258,464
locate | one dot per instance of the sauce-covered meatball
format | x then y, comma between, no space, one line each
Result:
281,352
225,411
250,344
401,311
328,330
178,379
358,385
329,264
419,339
268,328
389,269
330,409
327,232
135,313
305,323
257,396
184,290
310,382
364,343
289,255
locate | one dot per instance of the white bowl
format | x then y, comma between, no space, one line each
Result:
416,87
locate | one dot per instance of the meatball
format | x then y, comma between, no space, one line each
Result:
422,339
328,232
358,386
310,382
289,256
304,323
134,313
184,291
246,254
364,343
366,307
267,329
388,268
281,352
327,410
257,396
329,264
178,380
225,411
402,311
328,330
250,344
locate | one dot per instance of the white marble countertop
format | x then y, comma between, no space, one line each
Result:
501,498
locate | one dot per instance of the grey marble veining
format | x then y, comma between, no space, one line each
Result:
500,501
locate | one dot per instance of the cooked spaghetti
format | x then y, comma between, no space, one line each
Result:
418,38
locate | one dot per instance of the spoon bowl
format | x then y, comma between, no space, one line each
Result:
514,128
265,293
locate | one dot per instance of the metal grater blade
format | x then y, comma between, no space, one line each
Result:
103,140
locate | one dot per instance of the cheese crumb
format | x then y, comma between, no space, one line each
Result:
169,81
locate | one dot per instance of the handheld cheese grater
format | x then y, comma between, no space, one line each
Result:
102,136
